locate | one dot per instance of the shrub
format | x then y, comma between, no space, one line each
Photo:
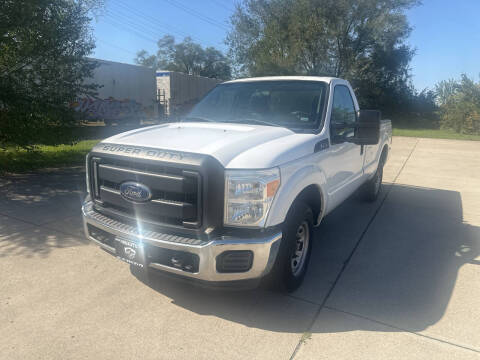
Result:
459,105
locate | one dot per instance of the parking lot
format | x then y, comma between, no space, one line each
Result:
395,279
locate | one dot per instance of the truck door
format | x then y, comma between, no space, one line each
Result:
345,160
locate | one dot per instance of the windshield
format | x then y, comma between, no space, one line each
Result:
292,104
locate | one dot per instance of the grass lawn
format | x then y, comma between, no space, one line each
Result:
19,160
45,156
434,133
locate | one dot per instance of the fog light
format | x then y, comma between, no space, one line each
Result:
234,261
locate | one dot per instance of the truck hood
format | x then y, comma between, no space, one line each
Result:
223,141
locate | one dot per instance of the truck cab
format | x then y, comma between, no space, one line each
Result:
231,194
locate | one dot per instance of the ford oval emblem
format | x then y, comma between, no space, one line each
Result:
136,192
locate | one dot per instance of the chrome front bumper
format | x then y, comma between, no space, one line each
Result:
264,248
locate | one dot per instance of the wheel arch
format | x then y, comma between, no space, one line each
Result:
312,196
384,154
306,185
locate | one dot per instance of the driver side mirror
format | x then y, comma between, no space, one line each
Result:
367,128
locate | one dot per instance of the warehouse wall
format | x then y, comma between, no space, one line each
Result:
127,93
182,88
124,81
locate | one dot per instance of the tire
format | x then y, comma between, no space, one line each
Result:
374,185
293,256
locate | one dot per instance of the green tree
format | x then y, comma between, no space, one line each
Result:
187,57
360,40
459,103
445,89
43,64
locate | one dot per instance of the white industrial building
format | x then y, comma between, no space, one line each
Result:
178,91
138,93
124,81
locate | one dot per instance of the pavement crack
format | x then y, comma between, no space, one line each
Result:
303,300
19,219
44,225
402,329
350,256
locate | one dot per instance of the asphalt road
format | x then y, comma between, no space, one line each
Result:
395,279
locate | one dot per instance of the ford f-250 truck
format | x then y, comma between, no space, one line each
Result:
231,194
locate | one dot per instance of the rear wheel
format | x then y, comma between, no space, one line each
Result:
295,249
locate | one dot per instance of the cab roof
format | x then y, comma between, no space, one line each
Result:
326,79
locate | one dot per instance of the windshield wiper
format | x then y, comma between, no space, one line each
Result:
256,121
245,120
198,118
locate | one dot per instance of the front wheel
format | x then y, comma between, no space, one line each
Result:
295,249
373,186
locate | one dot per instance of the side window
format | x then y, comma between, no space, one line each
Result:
343,112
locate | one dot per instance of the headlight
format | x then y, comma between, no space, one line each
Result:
87,174
249,195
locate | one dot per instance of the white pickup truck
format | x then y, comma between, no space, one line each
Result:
230,195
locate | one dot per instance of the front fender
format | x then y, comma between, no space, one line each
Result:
294,181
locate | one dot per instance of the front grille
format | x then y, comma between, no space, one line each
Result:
176,191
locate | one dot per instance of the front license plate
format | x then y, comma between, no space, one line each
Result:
130,251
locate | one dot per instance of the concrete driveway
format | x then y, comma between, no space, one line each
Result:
391,280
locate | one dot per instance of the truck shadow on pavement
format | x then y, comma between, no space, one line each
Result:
41,211
402,273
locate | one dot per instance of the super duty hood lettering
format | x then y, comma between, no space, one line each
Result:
138,152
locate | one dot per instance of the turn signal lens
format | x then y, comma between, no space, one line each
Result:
272,188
